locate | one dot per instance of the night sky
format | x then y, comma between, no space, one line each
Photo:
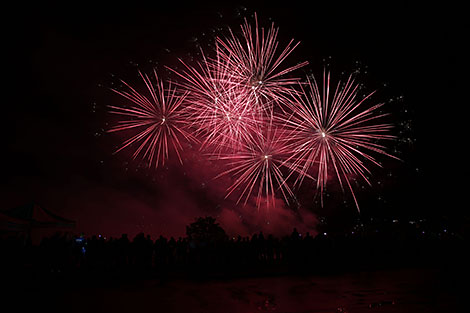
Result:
61,63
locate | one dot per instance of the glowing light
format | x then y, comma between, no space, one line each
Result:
151,116
343,119
255,63
252,172
221,111
266,125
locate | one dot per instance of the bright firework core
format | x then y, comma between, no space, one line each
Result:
256,80
232,116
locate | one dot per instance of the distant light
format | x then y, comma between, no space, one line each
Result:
323,134
324,234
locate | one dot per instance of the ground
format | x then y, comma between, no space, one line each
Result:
406,290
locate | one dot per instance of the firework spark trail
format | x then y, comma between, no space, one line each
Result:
231,123
334,130
219,109
259,165
267,125
232,95
159,119
255,64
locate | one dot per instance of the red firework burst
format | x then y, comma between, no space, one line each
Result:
259,166
255,65
265,124
219,110
334,130
159,119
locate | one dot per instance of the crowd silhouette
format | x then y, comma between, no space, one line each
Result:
207,248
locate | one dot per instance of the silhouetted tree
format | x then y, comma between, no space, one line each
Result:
205,229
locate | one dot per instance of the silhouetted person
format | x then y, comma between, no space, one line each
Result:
171,251
148,253
123,248
181,251
295,234
308,248
270,249
161,251
253,249
138,252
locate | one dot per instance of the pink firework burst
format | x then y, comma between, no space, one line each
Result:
255,64
258,168
219,110
334,129
230,122
160,120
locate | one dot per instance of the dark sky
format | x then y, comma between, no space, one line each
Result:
61,61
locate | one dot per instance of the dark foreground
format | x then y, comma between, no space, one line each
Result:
394,267
397,290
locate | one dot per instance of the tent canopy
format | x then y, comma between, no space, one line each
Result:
31,215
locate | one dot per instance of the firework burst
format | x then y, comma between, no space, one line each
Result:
255,64
258,168
160,120
265,125
334,129
220,111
